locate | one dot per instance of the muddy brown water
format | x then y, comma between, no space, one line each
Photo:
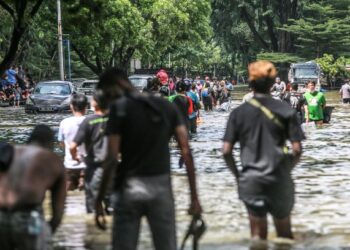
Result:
321,217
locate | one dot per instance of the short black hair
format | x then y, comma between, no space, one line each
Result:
180,86
312,82
295,86
79,102
112,81
6,156
262,85
100,99
43,136
153,84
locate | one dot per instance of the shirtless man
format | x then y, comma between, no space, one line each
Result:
26,173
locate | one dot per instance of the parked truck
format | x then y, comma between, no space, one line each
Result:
302,73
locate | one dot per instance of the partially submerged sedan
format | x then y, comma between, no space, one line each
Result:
50,96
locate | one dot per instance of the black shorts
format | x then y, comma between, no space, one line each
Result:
278,208
346,100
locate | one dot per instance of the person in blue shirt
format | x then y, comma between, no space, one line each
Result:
191,92
11,75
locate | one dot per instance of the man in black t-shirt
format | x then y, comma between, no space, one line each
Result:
140,127
91,133
265,184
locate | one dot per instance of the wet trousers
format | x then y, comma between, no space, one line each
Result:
24,231
150,197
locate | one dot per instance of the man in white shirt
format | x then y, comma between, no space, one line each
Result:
66,133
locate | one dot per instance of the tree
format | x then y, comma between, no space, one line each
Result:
22,12
110,32
324,27
332,67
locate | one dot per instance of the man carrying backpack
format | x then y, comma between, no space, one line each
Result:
191,92
207,97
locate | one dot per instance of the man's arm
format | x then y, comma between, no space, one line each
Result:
230,161
181,135
306,109
73,148
296,152
110,162
58,197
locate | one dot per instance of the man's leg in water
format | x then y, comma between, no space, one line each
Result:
161,218
283,227
258,227
126,223
5,232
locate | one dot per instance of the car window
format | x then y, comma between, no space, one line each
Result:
53,89
89,84
138,82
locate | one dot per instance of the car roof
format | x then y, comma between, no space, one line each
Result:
142,76
90,81
54,82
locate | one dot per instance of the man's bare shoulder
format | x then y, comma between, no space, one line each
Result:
38,157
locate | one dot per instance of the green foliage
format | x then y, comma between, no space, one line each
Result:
323,28
110,31
280,57
332,67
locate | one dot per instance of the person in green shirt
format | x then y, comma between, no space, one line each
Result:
315,104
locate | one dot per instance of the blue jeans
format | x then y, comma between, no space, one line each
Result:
145,196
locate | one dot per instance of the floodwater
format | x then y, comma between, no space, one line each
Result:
321,217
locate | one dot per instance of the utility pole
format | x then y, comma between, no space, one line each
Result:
60,45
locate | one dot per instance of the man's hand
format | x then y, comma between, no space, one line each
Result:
100,219
195,208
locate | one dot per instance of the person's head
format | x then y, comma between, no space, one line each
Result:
311,85
114,83
43,136
98,102
222,83
6,156
261,76
278,80
153,84
193,87
207,79
180,87
295,87
78,103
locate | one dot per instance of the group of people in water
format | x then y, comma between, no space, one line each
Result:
309,103
15,86
122,151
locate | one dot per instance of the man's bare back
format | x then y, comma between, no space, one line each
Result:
33,171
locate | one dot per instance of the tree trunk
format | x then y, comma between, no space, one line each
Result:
11,53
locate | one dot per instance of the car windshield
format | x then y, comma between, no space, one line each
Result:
306,73
138,82
89,85
53,89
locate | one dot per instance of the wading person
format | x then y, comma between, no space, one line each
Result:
265,184
345,92
140,127
91,133
315,102
66,133
26,173
296,101
183,102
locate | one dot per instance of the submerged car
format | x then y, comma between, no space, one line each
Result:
87,87
50,96
140,81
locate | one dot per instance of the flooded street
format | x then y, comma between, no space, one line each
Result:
320,215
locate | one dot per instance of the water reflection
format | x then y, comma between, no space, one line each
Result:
322,180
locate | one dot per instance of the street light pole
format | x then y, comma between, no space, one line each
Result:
60,45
